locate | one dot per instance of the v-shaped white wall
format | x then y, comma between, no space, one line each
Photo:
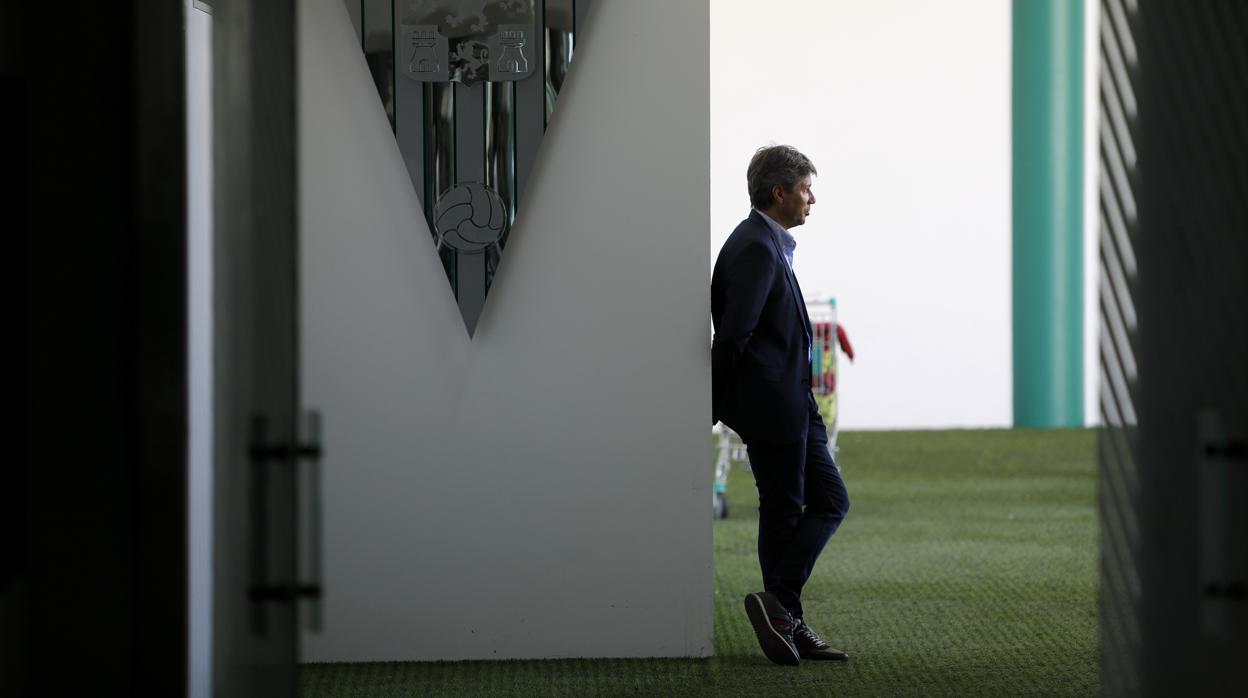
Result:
542,490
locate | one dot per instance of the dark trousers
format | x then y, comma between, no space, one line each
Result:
801,502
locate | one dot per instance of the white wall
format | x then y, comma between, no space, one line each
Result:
1091,213
199,341
904,107
541,490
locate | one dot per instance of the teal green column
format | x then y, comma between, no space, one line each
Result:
1047,103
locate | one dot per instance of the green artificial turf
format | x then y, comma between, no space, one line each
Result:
967,566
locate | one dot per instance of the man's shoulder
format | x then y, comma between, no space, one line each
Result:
754,223
752,229
748,243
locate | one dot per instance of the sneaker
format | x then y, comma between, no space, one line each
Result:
774,627
811,646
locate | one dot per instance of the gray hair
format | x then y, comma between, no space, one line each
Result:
775,164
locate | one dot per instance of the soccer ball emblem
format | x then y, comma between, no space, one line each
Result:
470,217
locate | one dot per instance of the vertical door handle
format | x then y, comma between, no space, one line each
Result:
1223,474
304,455
309,451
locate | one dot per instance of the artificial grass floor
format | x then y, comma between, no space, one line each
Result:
967,566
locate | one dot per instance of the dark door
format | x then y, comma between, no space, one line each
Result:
255,344
93,472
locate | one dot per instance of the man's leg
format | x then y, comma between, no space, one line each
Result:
826,504
778,473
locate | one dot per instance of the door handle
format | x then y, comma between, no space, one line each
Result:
309,451
305,451
1222,473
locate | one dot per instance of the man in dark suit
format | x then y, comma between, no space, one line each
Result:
760,385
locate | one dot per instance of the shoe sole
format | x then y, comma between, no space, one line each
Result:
772,642
842,657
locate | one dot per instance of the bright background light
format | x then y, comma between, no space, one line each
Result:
904,107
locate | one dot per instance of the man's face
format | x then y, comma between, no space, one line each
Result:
793,206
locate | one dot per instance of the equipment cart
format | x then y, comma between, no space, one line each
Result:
826,335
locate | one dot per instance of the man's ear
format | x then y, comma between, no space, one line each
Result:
777,194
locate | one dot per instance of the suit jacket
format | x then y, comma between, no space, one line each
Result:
760,360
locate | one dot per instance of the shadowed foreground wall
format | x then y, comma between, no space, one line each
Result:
1174,466
479,492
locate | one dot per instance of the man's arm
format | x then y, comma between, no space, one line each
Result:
748,279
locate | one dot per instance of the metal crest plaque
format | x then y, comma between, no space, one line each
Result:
469,86
467,42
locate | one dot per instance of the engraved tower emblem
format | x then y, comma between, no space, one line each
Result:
426,52
512,60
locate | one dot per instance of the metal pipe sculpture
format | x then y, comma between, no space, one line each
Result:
470,86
